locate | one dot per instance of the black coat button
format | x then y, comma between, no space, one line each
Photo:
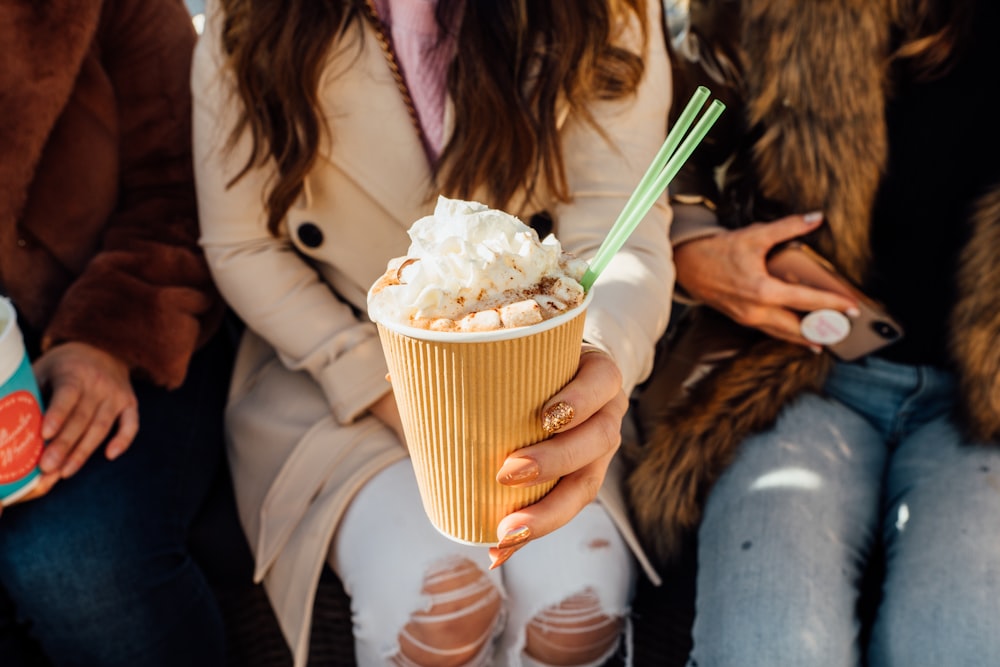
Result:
310,235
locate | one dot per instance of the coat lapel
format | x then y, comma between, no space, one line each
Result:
362,101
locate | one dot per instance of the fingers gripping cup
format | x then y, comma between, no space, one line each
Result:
473,359
20,412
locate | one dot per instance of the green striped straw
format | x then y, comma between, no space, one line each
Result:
667,162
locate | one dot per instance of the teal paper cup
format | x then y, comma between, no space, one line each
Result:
20,412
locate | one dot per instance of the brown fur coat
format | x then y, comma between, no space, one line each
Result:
829,155
98,231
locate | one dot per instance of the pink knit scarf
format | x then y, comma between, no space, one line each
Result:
423,56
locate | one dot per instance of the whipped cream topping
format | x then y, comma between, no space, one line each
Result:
473,268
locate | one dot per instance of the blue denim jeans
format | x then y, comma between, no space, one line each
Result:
99,570
788,530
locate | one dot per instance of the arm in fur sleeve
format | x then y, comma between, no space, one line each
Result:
146,296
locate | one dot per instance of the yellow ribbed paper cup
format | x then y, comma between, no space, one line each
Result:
467,400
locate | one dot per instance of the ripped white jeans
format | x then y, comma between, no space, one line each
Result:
408,582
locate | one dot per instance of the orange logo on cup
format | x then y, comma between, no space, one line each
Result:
20,435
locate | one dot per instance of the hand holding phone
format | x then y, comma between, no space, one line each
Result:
872,329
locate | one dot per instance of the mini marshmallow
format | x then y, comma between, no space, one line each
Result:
483,320
521,314
550,305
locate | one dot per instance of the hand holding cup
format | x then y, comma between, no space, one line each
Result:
585,419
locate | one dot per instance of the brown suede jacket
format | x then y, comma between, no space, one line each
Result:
98,227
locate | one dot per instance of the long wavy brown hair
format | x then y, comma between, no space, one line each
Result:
519,59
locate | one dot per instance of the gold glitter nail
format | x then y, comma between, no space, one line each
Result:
557,416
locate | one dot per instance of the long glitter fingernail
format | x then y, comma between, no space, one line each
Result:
557,416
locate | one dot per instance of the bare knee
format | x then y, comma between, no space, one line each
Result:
574,632
460,620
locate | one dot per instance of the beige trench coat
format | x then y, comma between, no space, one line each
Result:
301,441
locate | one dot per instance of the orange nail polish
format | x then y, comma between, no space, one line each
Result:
518,471
515,537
